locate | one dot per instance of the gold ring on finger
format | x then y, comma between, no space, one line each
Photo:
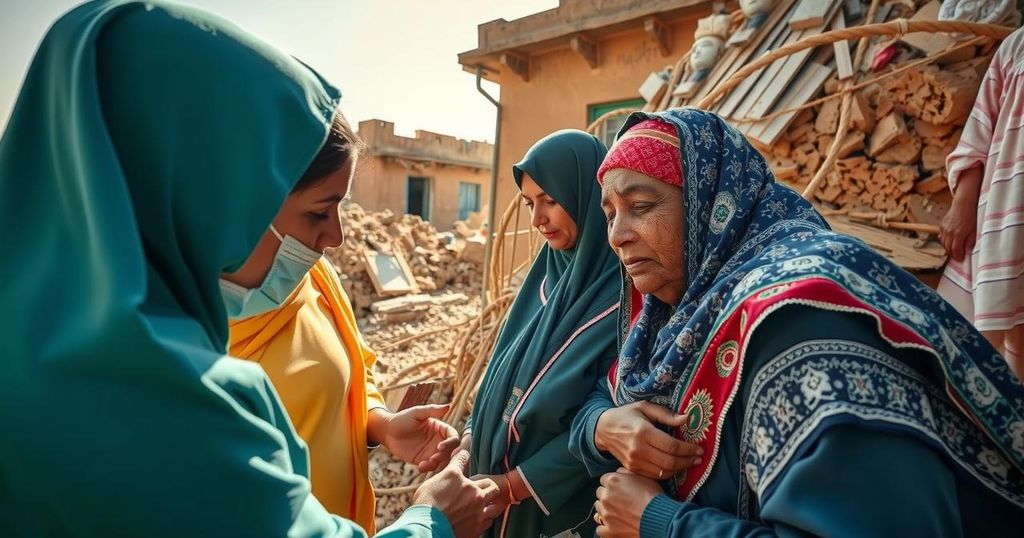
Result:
597,519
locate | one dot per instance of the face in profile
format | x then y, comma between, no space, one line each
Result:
310,215
548,217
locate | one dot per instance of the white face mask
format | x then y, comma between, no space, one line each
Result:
291,263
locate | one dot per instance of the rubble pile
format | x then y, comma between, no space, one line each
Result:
437,261
892,160
382,332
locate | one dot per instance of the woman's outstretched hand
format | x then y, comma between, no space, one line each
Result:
416,435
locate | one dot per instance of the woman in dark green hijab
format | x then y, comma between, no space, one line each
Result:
148,151
559,339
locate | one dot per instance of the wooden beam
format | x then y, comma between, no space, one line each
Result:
742,97
738,56
774,80
903,251
810,14
587,48
801,91
738,95
844,62
781,73
517,63
928,42
661,34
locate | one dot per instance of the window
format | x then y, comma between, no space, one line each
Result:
611,127
469,199
417,196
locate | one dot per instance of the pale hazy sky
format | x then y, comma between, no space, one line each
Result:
393,59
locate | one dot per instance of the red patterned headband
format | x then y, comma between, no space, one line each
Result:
650,147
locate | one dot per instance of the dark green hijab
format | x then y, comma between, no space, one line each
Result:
550,354
149,149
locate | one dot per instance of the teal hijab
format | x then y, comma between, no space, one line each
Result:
558,340
149,149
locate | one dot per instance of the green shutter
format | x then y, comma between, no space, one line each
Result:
596,111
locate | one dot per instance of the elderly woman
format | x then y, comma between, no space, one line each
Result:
825,385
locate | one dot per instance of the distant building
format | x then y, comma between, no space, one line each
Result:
438,177
565,67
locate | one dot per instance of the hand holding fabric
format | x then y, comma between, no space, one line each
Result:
621,501
468,504
417,435
629,433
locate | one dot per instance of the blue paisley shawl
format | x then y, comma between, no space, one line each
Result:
745,233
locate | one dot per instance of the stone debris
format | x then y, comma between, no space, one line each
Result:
435,263
415,361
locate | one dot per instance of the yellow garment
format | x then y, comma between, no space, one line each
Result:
313,353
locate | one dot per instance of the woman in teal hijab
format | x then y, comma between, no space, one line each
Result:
558,340
148,151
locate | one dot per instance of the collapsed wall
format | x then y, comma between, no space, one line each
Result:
437,261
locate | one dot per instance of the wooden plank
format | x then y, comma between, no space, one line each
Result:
762,129
756,99
734,63
738,95
400,304
768,40
902,250
811,13
742,37
786,72
928,42
801,91
450,299
932,42
844,62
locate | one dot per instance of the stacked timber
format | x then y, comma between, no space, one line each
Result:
908,99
